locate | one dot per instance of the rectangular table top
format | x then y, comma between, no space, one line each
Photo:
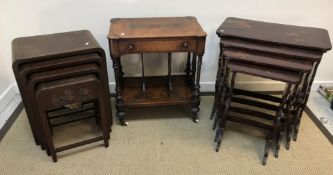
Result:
295,36
157,27
54,45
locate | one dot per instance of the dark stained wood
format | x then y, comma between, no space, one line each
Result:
58,63
65,72
54,53
252,113
32,48
255,103
267,60
166,34
264,72
290,54
56,94
260,47
257,95
281,34
249,122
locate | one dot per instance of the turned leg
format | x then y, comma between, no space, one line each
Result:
119,102
143,86
306,93
194,68
224,116
169,72
188,68
121,70
222,96
289,113
217,83
196,91
277,122
268,144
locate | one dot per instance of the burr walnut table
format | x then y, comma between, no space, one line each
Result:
168,34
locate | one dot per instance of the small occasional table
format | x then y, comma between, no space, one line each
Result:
146,35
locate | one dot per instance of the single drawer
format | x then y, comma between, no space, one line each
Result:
157,45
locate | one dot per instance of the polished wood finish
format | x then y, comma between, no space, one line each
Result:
167,34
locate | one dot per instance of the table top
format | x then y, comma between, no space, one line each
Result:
58,44
296,36
157,27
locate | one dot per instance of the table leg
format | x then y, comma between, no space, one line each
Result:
217,82
188,67
169,72
196,90
194,68
305,96
143,76
279,115
119,102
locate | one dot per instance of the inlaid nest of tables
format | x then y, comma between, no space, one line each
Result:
62,78
285,53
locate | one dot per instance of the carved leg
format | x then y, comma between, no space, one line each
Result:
121,70
217,130
143,76
217,83
268,144
188,68
169,72
224,88
298,121
279,114
306,97
119,102
194,68
290,108
221,104
226,110
196,91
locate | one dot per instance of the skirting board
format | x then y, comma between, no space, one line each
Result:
10,107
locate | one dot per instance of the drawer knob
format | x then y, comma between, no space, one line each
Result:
130,47
185,44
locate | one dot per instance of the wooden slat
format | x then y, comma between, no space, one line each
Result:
250,122
252,113
257,95
255,103
74,145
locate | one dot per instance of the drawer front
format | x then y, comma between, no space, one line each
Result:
165,45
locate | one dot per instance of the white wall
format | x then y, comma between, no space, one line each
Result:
24,18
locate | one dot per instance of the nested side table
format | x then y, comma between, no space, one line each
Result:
144,35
